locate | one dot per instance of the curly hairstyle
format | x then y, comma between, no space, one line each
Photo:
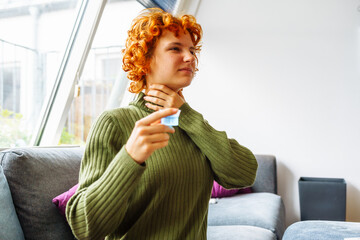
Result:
145,31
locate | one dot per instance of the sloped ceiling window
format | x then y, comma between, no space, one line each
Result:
62,67
166,5
103,83
176,7
33,37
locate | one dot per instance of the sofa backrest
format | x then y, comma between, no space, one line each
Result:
45,172
266,177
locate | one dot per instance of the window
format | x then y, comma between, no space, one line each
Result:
42,60
102,69
103,83
33,37
10,87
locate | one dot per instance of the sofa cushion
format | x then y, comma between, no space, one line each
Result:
239,232
264,210
35,177
322,230
9,223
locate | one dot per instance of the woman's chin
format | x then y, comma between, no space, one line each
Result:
176,88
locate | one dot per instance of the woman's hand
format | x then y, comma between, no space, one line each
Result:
149,135
164,97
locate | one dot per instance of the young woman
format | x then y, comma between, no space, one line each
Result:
140,179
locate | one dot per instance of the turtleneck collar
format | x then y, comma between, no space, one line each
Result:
139,102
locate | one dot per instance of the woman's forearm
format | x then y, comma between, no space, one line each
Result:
233,165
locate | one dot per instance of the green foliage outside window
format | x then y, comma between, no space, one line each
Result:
12,133
68,138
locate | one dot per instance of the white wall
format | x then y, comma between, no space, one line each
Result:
282,77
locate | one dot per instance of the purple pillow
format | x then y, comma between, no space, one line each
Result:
218,191
61,200
245,190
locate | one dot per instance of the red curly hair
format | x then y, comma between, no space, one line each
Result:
143,35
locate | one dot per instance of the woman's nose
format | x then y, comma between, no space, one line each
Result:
189,57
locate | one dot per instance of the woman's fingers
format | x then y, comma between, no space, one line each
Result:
156,122
160,96
158,145
154,107
158,137
158,101
154,129
148,120
157,94
149,135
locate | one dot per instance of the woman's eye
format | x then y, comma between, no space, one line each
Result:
175,49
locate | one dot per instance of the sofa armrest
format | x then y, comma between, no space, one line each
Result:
266,177
35,176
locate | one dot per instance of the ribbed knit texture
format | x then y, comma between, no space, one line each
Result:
168,197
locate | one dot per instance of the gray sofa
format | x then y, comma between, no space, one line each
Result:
259,215
322,230
35,176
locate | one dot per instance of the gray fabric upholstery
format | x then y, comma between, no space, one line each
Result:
239,232
266,178
10,228
35,177
262,209
322,230
265,210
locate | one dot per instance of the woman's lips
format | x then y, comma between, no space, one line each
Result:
186,70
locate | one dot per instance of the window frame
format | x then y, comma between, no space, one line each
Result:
58,103
55,112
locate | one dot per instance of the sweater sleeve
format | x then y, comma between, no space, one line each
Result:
108,176
233,165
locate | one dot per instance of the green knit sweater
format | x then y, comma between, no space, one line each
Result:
168,196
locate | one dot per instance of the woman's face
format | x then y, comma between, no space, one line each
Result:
173,61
